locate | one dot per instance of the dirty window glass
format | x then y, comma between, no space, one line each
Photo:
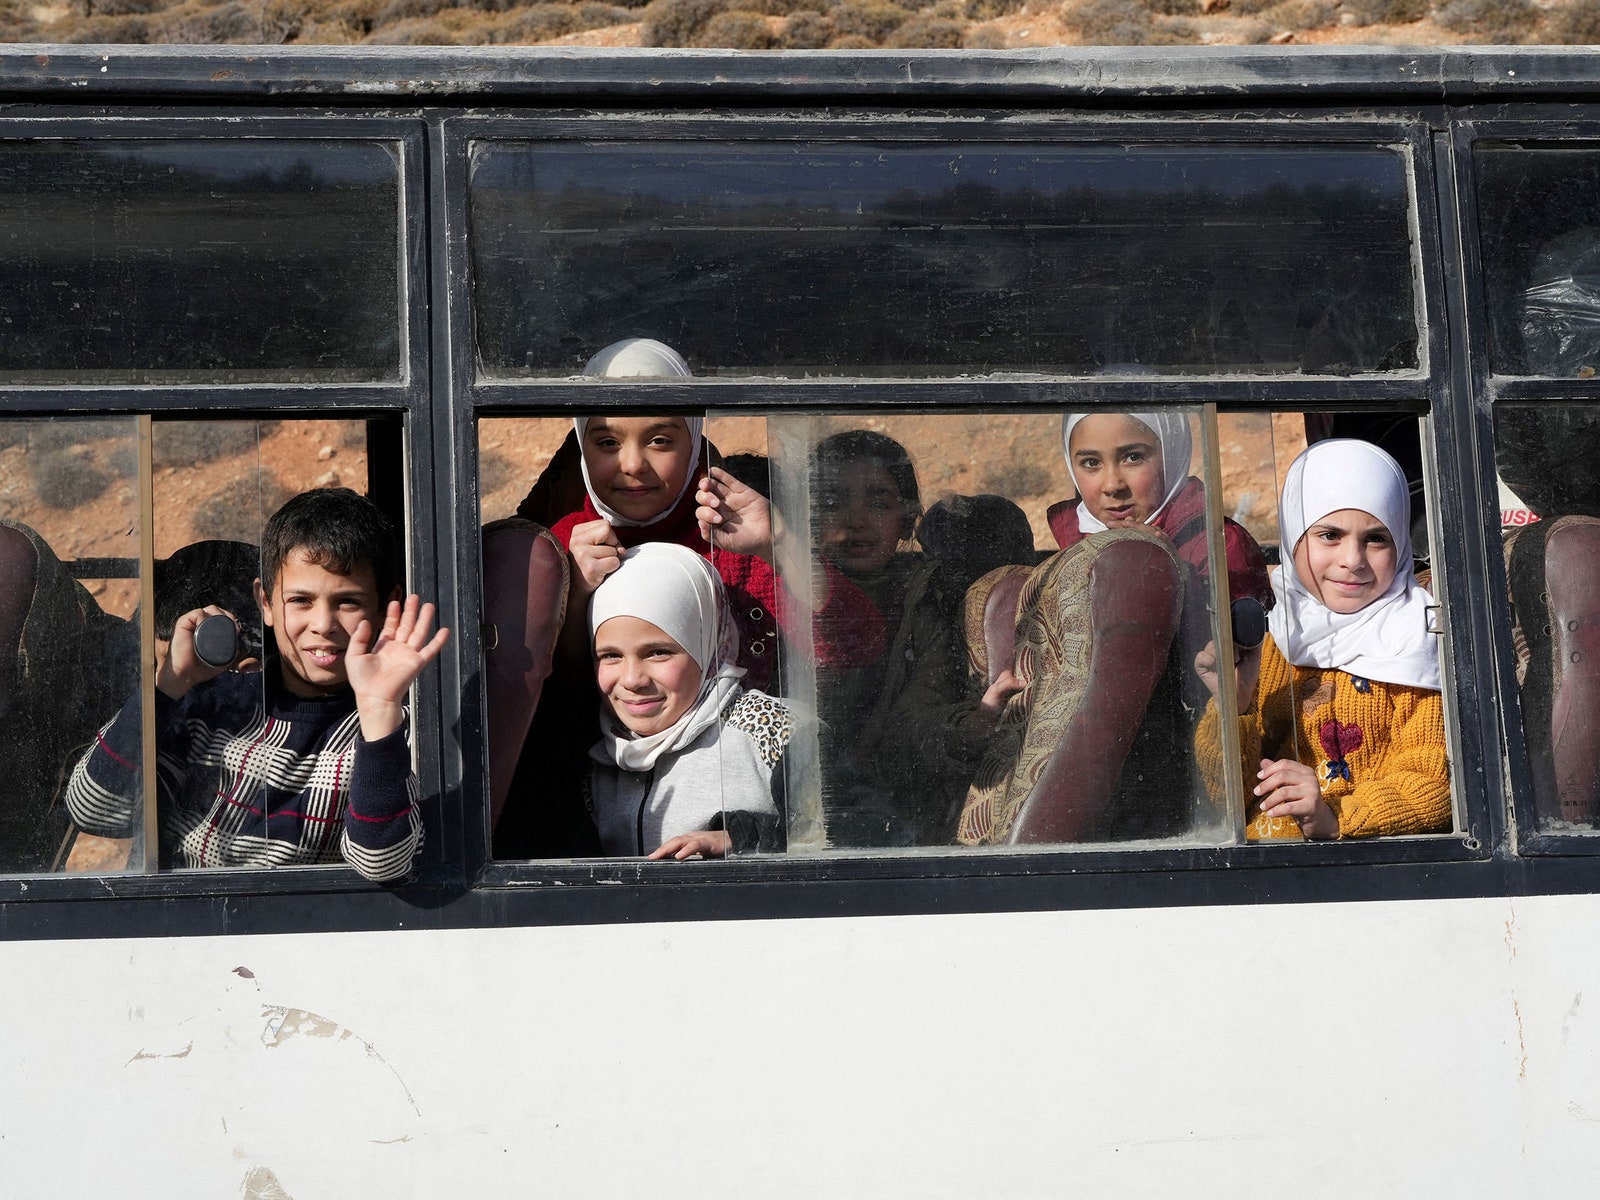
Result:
955,678
69,639
1550,521
217,261
891,259
1539,229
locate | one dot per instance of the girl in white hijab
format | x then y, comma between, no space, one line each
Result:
688,760
1341,714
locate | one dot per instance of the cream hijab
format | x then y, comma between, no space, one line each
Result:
680,593
640,358
1388,640
1171,430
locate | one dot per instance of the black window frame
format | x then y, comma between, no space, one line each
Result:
1433,95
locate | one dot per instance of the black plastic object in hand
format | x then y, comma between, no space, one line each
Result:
216,641
1249,623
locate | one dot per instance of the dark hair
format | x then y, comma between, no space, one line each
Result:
863,445
337,529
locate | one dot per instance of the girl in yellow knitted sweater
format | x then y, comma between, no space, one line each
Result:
1342,722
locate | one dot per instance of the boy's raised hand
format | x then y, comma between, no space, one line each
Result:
595,551
382,671
734,516
182,668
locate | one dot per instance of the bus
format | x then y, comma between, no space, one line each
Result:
232,273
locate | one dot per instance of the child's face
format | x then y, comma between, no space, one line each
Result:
647,678
312,613
637,465
861,516
1116,463
1347,560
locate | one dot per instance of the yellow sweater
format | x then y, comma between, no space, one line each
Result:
1377,749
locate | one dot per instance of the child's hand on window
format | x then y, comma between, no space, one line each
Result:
734,516
707,843
595,553
1246,668
182,668
381,672
1289,788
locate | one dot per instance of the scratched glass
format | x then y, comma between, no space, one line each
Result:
955,678
888,259
222,261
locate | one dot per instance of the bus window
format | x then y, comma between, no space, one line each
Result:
1345,727
884,259
1550,518
126,260
963,680
1539,232
69,643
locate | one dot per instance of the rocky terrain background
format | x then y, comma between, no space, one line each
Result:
804,24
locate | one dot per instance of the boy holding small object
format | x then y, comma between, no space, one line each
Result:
310,765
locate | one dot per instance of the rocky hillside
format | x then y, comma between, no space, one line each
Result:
803,24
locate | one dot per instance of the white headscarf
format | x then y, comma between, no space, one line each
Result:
1388,640
640,358
680,593
1171,430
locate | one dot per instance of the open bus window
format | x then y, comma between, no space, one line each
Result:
897,259
1550,517
224,261
1539,231
1346,722
69,648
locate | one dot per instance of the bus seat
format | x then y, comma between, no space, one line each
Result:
1557,607
1090,635
61,677
524,603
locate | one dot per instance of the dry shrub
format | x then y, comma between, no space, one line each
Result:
786,8
17,23
737,30
874,20
121,459
237,512
66,479
1247,8
357,14
1111,23
1496,22
47,437
1386,12
1019,480
927,33
1302,14
198,25
1578,24
806,31
1174,8
451,27
402,10
540,23
495,471
187,443
596,15
984,37
676,22
126,8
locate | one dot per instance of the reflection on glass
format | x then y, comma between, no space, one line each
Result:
144,261
1550,502
1539,233
69,646
1019,696
909,260
1342,716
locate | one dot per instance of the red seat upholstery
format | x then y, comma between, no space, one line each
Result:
1082,753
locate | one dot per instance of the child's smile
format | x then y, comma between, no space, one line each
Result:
647,678
637,465
1347,560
